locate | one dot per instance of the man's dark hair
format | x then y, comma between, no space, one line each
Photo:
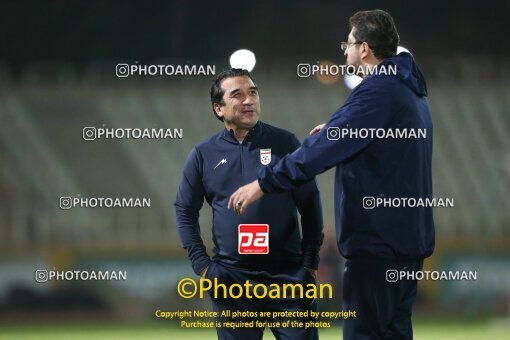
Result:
378,30
216,90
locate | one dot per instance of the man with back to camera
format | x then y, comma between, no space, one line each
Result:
213,170
376,241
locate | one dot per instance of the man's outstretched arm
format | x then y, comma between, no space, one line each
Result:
367,107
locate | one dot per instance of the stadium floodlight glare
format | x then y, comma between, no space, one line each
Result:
352,81
243,59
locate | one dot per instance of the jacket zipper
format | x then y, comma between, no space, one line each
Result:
242,165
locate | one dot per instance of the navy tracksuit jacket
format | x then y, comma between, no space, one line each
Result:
219,165
390,168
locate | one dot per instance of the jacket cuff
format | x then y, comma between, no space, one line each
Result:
262,186
200,264
311,260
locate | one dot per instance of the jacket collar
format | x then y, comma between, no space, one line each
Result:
256,131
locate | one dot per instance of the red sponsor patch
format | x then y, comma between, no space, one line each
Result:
253,239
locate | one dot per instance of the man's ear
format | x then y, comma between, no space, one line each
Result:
217,108
366,52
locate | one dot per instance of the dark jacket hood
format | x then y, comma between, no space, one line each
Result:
408,72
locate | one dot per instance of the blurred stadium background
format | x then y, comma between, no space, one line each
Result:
57,71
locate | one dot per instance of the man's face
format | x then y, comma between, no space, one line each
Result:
352,52
242,105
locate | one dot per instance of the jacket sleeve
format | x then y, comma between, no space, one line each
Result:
189,201
308,202
367,107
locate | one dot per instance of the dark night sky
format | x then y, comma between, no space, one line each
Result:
81,32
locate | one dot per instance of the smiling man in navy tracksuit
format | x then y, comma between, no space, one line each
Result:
218,166
378,239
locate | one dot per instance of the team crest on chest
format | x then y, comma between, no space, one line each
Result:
265,156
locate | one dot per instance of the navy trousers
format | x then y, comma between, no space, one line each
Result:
383,307
293,274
